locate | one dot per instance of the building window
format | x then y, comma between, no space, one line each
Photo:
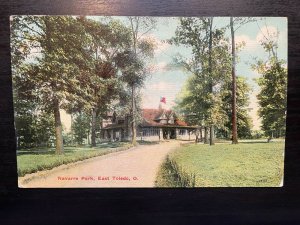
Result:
148,132
182,132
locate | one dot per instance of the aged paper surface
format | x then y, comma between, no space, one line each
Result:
149,101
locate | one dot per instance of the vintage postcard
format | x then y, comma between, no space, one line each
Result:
149,101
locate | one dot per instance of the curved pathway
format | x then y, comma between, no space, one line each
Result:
135,167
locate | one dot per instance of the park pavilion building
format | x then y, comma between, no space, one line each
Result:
157,124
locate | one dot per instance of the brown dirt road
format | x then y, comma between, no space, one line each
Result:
136,167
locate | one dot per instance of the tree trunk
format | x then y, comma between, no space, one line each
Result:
93,136
201,137
72,130
205,135
88,138
234,115
133,125
58,128
212,136
199,134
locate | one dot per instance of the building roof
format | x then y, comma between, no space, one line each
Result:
151,117
151,114
180,123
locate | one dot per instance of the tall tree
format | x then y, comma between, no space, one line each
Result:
244,123
50,54
235,24
209,64
272,97
234,116
81,126
142,48
108,39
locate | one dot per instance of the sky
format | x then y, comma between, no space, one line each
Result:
166,82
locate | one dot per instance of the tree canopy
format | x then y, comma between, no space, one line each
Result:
272,97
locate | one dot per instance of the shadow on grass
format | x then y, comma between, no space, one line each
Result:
261,141
67,149
253,142
148,142
110,145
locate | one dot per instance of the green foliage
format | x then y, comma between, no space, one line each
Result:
272,97
50,70
207,96
54,60
133,62
81,127
65,62
244,122
33,126
209,69
107,40
257,134
68,138
34,130
44,129
132,68
249,164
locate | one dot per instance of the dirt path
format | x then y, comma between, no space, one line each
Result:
136,167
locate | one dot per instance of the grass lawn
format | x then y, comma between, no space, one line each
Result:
33,160
255,164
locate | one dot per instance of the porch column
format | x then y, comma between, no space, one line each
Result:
111,135
106,135
114,135
161,135
176,133
122,134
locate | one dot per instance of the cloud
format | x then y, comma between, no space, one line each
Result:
162,86
269,32
255,74
160,46
152,100
160,67
277,36
250,44
152,93
253,110
266,32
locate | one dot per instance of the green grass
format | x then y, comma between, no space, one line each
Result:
248,164
33,160
172,175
